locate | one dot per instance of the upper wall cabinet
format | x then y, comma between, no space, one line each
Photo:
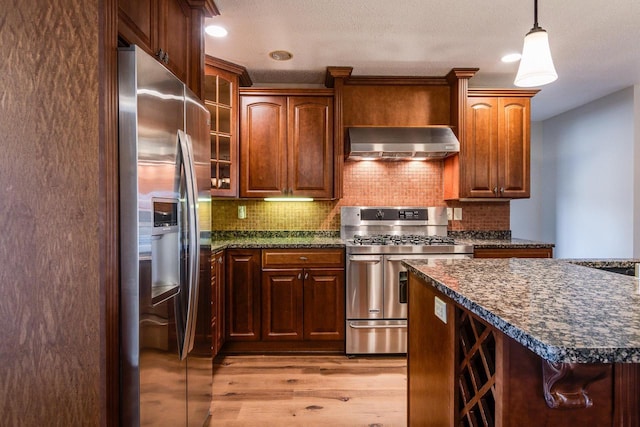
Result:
170,30
221,83
286,144
494,157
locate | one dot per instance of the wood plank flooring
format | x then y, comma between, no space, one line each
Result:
318,390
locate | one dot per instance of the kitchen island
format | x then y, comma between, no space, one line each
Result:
517,342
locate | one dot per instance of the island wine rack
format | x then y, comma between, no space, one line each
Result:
476,371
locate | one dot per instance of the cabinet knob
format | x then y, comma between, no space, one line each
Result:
303,258
306,276
495,190
299,276
501,190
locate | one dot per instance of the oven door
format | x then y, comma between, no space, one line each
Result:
364,287
396,282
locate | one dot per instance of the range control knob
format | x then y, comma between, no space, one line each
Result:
380,214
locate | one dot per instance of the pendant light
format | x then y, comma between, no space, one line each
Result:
536,66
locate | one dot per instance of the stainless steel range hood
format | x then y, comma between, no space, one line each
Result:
401,143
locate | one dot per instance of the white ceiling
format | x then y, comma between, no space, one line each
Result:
595,44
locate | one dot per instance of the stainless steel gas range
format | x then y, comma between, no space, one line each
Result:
377,240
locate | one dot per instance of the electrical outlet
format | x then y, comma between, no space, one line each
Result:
242,212
440,309
457,214
450,214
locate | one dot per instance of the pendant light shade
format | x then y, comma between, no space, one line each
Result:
536,66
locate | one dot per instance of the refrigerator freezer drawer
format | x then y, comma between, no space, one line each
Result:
376,337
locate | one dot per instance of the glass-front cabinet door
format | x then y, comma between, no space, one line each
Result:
221,95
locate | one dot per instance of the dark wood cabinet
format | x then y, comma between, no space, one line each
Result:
170,30
303,303
494,159
137,23
310,146
286,145
217,301
285,300
497,147
221,99
303,294
242,295
513,253
263,139
282,304
324,300
174,35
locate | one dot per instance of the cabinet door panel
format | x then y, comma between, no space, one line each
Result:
218,331
310,136
221,98
175,36
481,147
215,284
136,22
282,305
324,300
263,154
243,295
513,151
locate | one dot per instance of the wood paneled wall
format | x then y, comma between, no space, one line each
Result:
51,296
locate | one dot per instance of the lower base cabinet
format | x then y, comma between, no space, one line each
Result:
303,304
242,295
282,309
217,301
297,304
324,300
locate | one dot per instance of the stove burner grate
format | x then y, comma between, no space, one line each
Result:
402,239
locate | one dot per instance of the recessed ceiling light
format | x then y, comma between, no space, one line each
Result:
280,55
512,57
216,31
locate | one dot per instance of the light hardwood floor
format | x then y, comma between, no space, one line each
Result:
305,390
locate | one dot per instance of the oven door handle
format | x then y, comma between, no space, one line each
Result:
354,326
365,260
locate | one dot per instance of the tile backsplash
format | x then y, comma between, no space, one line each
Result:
368,184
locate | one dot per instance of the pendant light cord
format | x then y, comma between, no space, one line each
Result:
535,14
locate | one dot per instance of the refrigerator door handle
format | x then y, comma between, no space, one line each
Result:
193,236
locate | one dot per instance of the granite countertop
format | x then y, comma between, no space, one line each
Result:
331,239
511,243
500,239
507,243
605,263
277,242
561,311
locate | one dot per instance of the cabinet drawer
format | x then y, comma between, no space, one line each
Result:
272,258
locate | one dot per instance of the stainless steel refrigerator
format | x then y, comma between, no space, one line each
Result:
165,227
